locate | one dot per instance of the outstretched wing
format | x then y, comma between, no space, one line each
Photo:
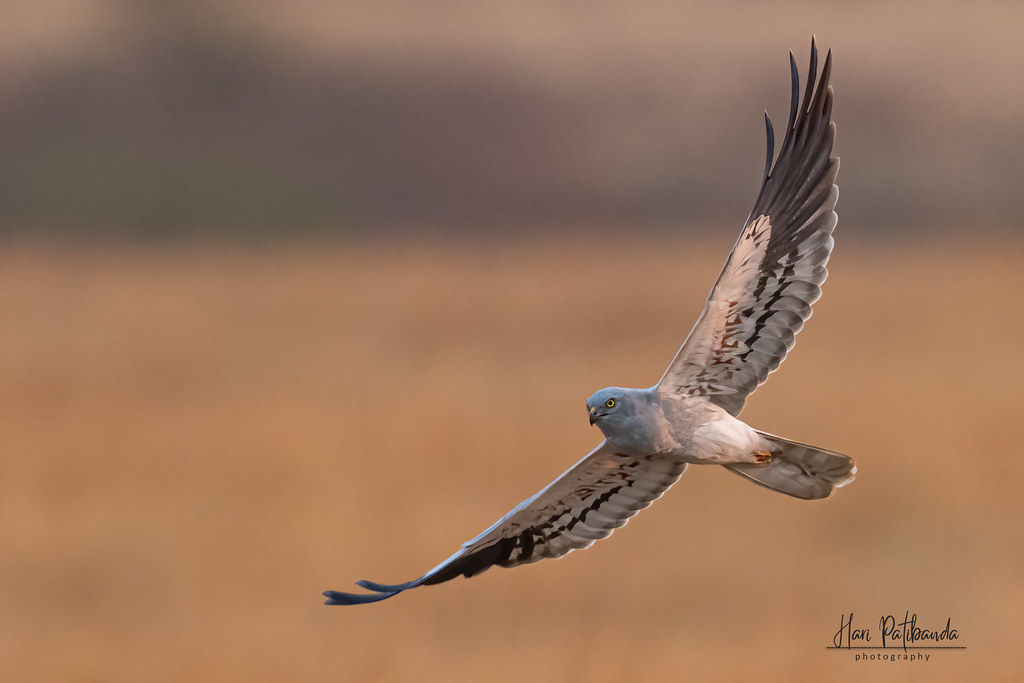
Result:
775,271
592,499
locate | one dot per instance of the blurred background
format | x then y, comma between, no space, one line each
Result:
301,293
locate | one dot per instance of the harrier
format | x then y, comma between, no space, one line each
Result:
761,300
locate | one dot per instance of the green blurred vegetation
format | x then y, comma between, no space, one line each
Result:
161,120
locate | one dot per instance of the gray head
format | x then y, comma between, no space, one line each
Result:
613,409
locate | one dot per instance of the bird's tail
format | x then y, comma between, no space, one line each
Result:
799,470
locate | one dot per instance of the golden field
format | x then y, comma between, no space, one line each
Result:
197,441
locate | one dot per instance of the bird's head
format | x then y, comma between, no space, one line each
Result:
603,403
611,408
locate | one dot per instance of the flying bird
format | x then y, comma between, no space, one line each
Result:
759,303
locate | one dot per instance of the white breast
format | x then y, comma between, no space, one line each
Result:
725,438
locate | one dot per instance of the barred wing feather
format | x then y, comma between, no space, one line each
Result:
587,503
775,271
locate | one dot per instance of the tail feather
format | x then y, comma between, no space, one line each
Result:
799,470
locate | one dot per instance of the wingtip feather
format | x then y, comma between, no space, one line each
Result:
812,72
387,588
382,591
339,598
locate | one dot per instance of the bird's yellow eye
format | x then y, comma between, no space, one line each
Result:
610,403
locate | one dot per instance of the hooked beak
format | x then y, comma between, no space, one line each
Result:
594,417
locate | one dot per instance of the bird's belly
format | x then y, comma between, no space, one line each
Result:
722,439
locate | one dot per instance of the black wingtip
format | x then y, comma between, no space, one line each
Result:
381,592
794,96
388,588
812,72
770,134
338,598
809,119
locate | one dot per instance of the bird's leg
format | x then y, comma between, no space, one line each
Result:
762,456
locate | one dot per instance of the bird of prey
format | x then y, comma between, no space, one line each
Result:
760,301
